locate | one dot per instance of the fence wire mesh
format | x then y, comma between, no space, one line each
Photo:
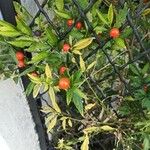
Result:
116,68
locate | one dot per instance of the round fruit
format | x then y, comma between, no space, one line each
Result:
38,33
20,55
66,47
35,74
145,88
64,83
62,70
78,25
69,22
21,64
114,33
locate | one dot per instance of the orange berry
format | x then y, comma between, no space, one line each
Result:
114,33
64,83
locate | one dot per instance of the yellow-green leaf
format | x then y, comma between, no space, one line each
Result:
69,122
23,27
91,129
83,43
85,144
89,106
21,43
110,14
75,51
91,65
62,14
146,12
9,33
59,4
47,109
48,71
82,64
53,99
36,90
52,124
120,42
34,79
101,17
107,128
64,124
49,118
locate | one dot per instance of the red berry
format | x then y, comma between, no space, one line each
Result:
145,88
62,70
78,25
64,83
66,47
114,33
21,64
35,74
20,55
69,22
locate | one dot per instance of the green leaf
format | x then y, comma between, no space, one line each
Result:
28,70
146,142
59,4
146,103
78,103
99,29
69,96
38,46
145,69
22,12
29,88
77,75
121,16
110,14
83,3
20,43
23,27
101,17
62,14
134,69
9,33
52,38
96,7
80,93
39,57
5,26
120,42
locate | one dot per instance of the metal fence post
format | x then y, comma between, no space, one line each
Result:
8,13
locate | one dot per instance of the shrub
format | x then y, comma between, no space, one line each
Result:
92,58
